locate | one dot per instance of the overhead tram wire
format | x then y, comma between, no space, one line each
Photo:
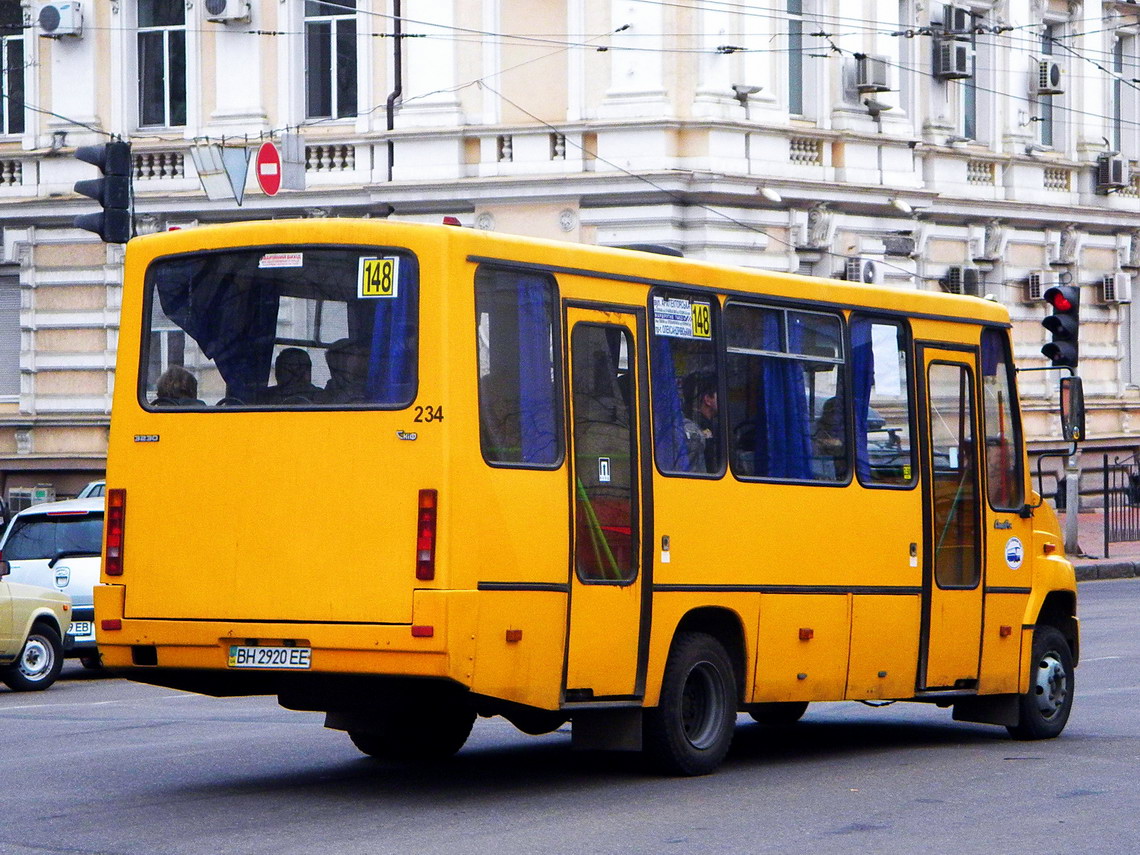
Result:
679,198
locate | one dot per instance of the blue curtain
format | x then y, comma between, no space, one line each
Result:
669,440
783,425
537,420
993,354
392,354
863,378
231,314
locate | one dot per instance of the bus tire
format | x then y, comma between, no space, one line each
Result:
690,731
414,734
1044,709
776,714
39,662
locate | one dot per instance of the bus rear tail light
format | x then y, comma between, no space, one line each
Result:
116,518
425,535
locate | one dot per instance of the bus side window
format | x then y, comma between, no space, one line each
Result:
520,403
687,426
787,398
884,449
1004,478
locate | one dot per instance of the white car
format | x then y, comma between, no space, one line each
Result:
32,625
57,545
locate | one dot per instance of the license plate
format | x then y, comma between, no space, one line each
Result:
81,628
247,656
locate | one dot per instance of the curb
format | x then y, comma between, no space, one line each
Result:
1108,570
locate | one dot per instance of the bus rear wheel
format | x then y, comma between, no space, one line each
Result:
690,731
414,734
1044,709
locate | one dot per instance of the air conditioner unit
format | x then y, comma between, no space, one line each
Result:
863,270
224,11
871,74
56,20
961,279
1117,287
957,21
953,60
1111,172
1046,78
1035,286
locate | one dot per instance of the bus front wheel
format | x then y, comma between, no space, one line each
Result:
690,731
415,734
1044,709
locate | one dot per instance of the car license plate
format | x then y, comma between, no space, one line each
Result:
80,628
251,656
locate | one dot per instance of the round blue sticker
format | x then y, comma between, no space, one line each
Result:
1014,553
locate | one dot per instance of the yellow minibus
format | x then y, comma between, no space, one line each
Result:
410,475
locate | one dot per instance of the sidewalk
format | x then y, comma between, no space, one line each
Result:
1123,559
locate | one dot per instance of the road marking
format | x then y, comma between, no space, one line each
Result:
1100,659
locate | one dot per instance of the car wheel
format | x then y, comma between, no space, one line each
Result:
413,734
777,714
39,662
690,730
1044,709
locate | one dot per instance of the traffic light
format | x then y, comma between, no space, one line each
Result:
1063,324
112,191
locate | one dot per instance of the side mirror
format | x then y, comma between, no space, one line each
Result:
1072,409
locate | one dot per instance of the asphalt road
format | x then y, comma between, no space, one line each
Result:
97,765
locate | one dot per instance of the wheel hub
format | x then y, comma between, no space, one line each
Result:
1052,685
702,705
36,660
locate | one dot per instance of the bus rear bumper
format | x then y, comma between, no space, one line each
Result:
141,646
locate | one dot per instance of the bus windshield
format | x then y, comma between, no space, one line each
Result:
273,328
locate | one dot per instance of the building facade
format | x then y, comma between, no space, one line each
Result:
982,147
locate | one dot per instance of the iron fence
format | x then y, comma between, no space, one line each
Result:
1121,500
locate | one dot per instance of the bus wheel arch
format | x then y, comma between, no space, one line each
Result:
726,627
1059,610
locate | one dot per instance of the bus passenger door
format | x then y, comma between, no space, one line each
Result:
607,640
952,571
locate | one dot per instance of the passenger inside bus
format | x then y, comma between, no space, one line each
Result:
176,388
348,367
829,446
294,372
702,422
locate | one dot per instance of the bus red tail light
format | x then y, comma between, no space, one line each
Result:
425,535
116,517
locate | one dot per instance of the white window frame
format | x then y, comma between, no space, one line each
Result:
6,40
166,31
334,21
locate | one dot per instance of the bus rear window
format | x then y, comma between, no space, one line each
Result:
281,328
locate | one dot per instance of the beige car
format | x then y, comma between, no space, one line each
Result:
33,623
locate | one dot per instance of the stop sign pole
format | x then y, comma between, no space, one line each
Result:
268,168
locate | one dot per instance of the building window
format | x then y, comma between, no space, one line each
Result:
969,123
1046,129
796,57
162,63
330,59
11,67
9,337
1124,99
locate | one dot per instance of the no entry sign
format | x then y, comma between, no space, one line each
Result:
268,167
